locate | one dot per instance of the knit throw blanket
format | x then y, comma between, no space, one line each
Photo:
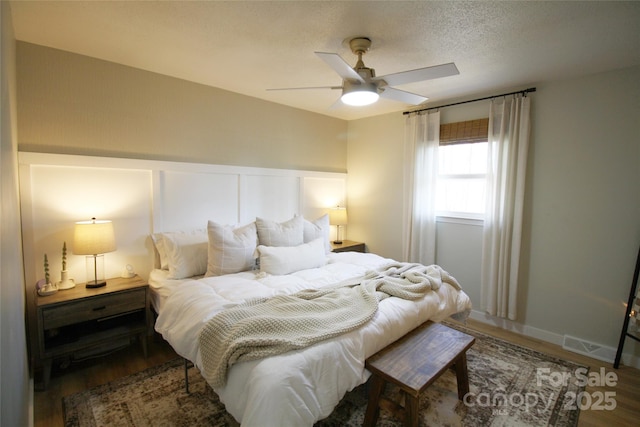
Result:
268,326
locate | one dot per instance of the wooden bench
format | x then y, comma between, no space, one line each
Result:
413,363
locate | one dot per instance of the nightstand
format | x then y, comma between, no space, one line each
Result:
347,246
86,322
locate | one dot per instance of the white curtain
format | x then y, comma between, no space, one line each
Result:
422,137
507,159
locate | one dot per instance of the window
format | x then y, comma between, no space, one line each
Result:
462,157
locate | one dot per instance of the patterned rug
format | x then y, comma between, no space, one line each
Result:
509,386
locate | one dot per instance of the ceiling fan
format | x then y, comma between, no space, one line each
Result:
360,86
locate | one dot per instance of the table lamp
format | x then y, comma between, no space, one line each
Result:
94,238
338,217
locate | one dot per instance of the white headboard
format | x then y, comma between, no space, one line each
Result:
145,196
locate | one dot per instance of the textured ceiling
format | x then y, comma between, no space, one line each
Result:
249,47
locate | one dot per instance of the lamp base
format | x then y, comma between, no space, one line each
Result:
337,242
95,269
94,284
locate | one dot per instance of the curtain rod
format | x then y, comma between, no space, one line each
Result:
523,92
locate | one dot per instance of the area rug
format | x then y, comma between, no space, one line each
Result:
509,386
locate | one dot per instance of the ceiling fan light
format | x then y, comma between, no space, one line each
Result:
359,98
359,93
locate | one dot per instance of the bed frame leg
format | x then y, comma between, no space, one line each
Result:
186,375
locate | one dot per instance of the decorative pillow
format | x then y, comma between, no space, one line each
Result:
162,253
184,252
318,228
288,233
281,260
231,250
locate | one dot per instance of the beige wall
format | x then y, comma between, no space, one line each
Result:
374,183
73,104
582,208
14,368
584,205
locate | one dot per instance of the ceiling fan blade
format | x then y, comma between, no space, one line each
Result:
340,66
336,105
308,87
402,96
427,73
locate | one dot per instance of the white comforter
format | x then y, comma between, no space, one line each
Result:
300,387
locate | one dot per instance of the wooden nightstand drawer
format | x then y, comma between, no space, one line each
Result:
93,308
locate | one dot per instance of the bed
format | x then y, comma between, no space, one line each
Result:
204,274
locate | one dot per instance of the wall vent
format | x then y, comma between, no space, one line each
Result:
597,351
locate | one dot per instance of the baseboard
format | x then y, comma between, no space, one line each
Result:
630,360
574,344
588,348
519,328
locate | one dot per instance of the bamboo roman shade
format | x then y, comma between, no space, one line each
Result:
464,132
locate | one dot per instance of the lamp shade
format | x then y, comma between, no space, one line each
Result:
338,216
93,237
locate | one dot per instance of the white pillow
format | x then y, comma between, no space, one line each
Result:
162,253
185,252
289,259
318,228
231,250
288,233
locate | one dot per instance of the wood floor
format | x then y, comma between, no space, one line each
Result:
48,404
91,373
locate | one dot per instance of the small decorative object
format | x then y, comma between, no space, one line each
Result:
128,272
46,269
45,287
65,282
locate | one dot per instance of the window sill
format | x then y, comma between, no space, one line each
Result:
469,219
